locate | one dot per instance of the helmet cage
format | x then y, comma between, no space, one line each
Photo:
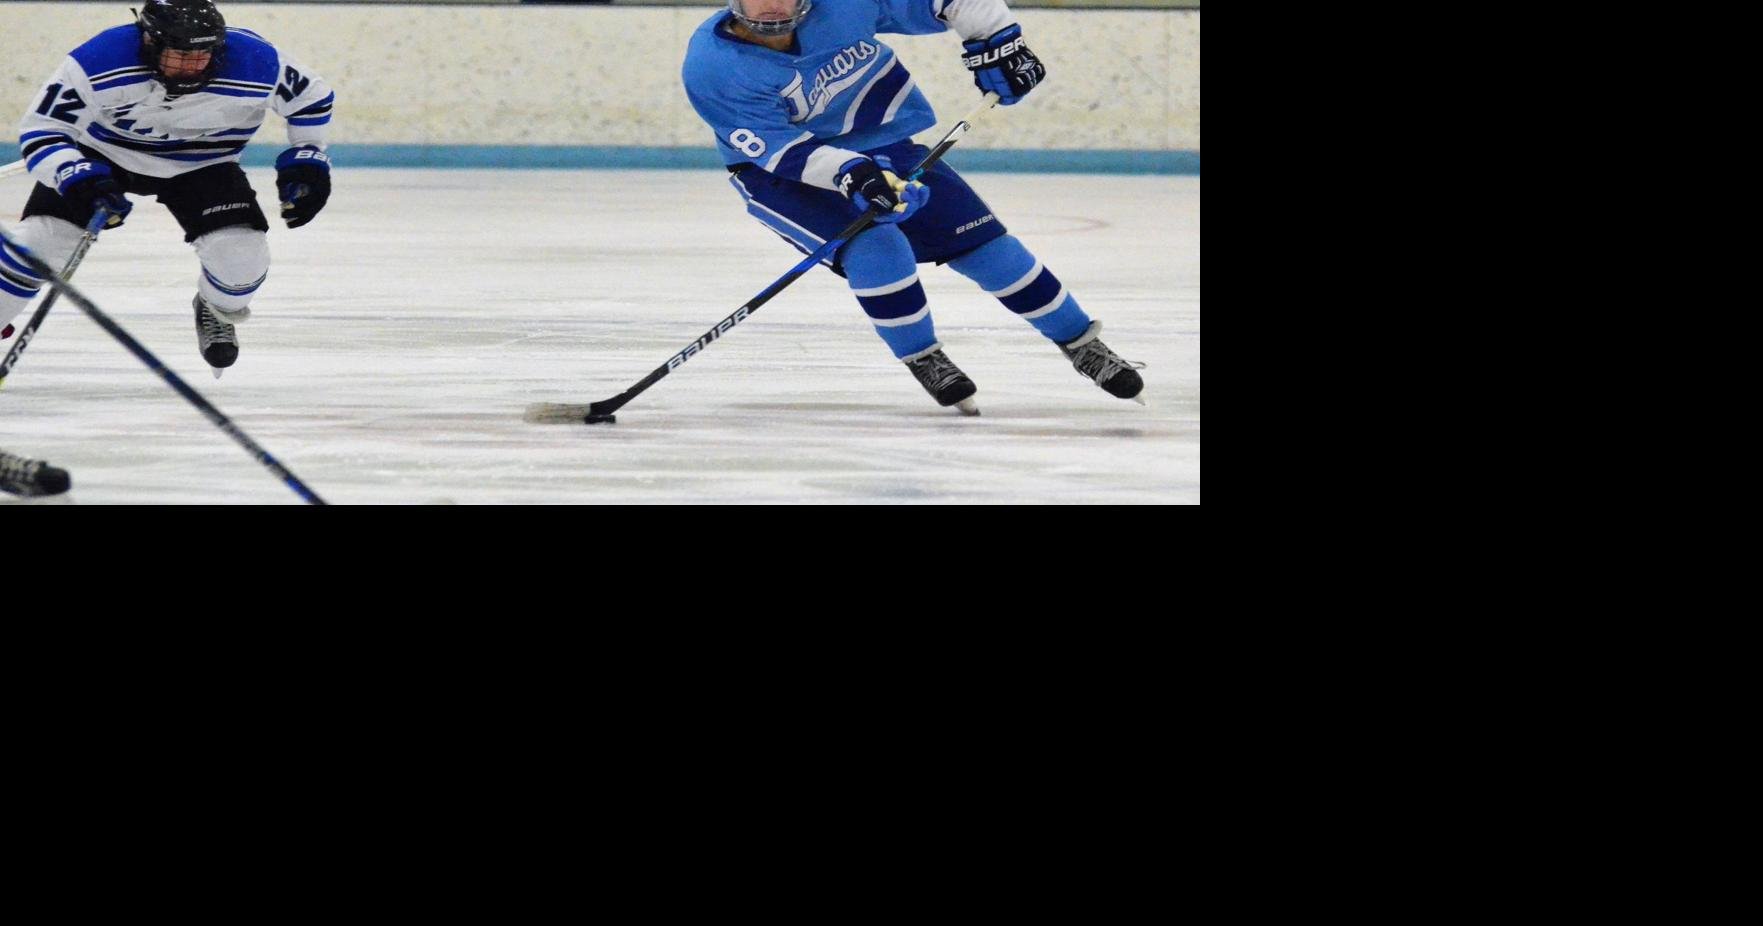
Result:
770,26
181,25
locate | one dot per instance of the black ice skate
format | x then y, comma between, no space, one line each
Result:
31,477
943,379
215,335
1119,378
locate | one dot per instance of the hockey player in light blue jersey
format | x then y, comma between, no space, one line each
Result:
814,117
164,106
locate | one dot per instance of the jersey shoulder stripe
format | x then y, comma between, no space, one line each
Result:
249,59
113,73
255,94
320,108
122,78
241,85
110,50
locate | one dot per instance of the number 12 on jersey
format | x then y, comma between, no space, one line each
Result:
64,112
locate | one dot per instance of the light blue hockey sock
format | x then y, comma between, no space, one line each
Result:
1005,269
884,278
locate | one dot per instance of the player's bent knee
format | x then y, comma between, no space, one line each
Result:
50,238
994,264
880,253
51,241
235,262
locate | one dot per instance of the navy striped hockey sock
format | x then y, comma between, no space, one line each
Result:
884,278
1006,270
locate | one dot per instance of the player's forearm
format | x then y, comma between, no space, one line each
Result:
822,166
47,149
975,19
308,110
317,136
802,159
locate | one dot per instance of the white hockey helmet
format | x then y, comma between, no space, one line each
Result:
771,26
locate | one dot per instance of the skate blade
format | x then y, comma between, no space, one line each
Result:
554,413
216,371
968,407
1139,399
59,498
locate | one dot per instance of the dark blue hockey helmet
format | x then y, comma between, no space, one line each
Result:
783,26
182,27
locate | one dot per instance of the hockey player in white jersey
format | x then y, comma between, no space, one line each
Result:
163,107
814,117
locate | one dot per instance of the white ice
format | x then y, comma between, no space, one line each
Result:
402,333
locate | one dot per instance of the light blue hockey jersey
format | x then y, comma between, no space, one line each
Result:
803,113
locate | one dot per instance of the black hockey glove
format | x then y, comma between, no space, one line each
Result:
1003,65
868,183
303,180
86,185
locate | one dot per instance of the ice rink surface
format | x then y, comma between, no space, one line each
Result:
400,336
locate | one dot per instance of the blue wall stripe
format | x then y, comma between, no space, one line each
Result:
979,160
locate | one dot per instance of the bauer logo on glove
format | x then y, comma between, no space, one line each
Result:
70,171
1003,65
871,185
88,186
993,55
303,178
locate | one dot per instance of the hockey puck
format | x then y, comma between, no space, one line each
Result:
600,419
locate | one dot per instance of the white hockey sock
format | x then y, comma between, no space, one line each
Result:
53,241
235,262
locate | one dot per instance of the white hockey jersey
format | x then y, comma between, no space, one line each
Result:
103,97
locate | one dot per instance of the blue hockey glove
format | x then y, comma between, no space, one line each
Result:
1003,65
868,182
303,180
86,185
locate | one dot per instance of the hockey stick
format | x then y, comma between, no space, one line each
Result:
601,412
7,170
172,379
99,216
